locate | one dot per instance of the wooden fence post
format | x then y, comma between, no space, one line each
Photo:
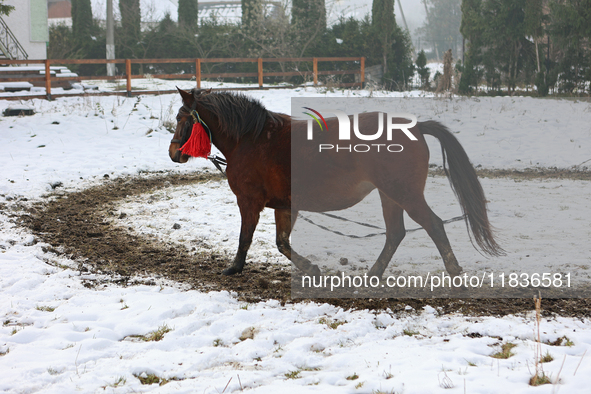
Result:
362,76
128,75
315,71
47,79
198,72
260,72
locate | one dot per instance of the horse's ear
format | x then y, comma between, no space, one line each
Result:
185,95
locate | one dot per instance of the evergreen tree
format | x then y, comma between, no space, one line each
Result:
383,23
252,14
308,18
422,69
130,33
570,32
188,13
5,9
506,38
472,28
358,38
534,17
533,24
498,42
82,23
61,42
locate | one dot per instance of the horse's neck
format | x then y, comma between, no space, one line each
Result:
224,143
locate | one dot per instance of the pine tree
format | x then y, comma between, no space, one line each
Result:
130,33
188,13
82,23
422,69
570,32
472,28
383,24
308,17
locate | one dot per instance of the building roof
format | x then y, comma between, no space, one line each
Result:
59,9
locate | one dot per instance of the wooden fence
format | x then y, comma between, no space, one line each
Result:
199,76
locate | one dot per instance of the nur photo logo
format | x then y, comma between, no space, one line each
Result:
386,121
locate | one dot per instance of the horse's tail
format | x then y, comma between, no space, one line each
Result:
465,184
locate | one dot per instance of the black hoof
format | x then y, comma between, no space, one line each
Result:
232,270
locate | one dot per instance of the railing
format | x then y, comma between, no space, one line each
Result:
9,45
198,75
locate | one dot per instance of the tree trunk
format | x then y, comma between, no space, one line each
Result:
537,53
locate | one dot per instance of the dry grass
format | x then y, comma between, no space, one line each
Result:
45,308
538,380
152,379
546,358
153,336
293,374
334,324
505,351
539,377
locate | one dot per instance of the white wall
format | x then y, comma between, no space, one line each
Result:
19,22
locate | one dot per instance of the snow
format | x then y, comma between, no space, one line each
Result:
23,85
88,342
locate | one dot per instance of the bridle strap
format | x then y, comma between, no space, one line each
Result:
189,110
215,159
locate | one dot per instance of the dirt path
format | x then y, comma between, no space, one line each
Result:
77,225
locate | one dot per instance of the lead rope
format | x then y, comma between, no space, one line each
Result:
455,219
218,162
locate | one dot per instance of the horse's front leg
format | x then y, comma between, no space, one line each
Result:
250,218
284,225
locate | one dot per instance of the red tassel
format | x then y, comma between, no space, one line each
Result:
199,144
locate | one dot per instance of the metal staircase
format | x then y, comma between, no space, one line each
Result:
10,48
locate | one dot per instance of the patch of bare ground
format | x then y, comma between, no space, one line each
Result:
77,225
528,173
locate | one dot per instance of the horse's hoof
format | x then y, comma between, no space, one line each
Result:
375,272
454,271
314,271
231,271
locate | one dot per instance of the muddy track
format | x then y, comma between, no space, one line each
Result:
77,225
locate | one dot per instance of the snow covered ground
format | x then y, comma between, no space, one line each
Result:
534,242
58,336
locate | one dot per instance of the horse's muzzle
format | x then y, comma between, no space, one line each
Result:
176,155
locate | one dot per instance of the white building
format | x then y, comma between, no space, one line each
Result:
24,33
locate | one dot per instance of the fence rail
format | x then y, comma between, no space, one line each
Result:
198,75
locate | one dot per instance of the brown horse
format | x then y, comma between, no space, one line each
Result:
257,145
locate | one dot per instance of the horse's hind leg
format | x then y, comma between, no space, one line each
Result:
393,216
420,212
284,225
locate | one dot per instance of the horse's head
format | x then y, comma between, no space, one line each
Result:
183,127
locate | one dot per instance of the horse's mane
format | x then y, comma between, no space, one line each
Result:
238,115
